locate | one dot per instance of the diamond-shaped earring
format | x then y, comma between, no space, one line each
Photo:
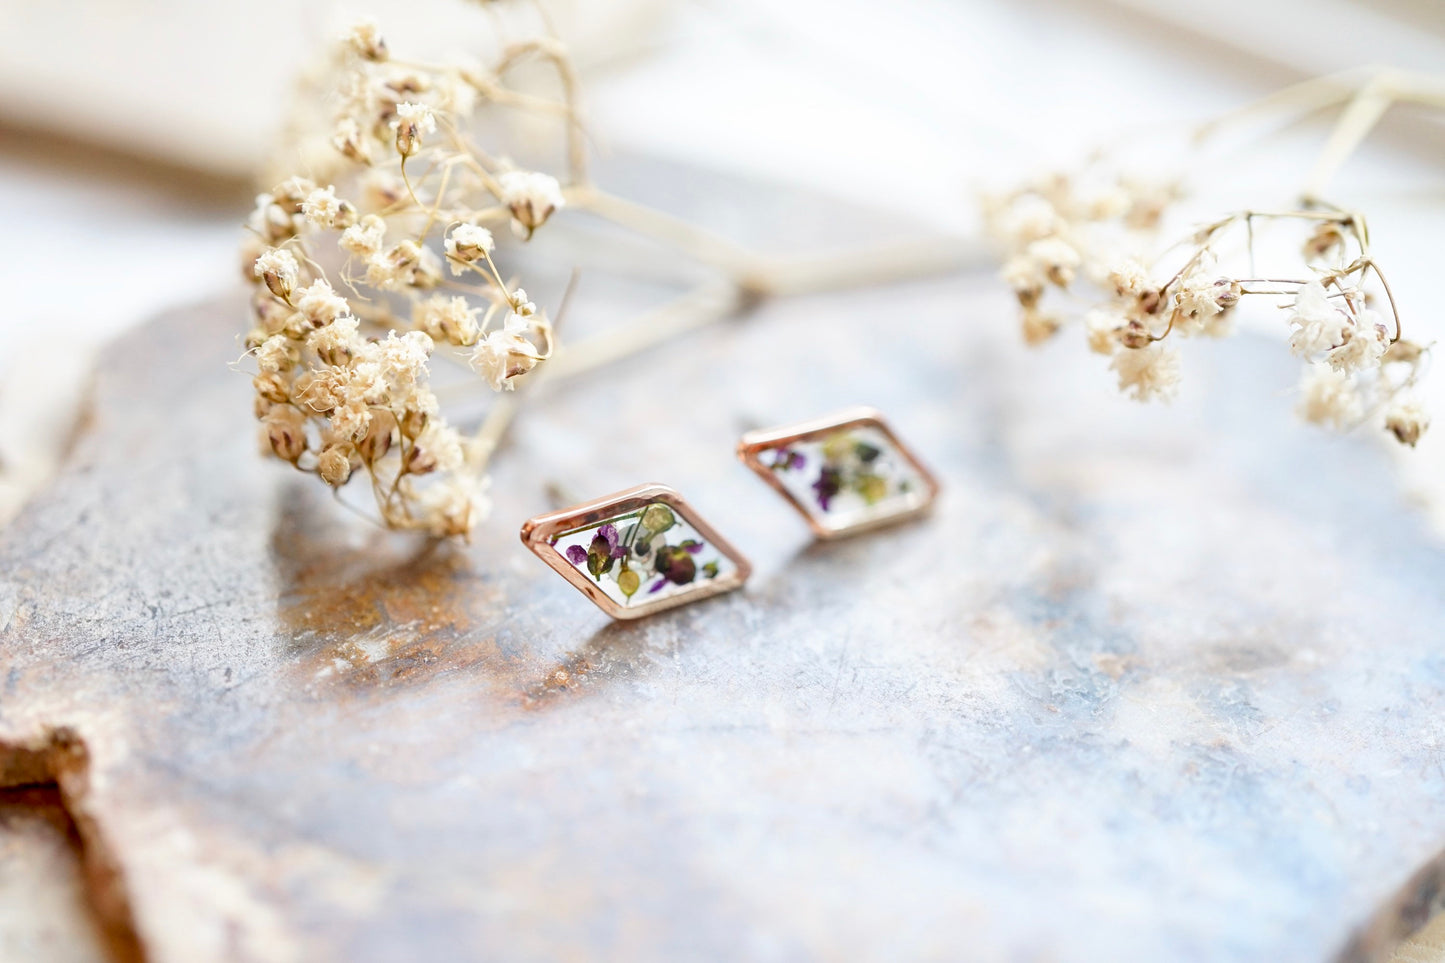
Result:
845,473
637,552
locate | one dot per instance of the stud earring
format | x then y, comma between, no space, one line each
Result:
844,473
637,552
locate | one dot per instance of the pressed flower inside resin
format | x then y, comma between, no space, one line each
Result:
845,473
637,552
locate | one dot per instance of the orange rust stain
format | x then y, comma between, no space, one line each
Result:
392,608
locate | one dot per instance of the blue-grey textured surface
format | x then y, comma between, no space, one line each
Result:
1150,683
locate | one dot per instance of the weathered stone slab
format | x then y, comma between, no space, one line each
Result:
44,910
1147,683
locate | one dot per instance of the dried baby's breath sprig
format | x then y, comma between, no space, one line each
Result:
384,258
353,302
1097,230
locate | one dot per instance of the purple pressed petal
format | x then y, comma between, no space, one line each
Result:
693,547
657,586
576,554
609,532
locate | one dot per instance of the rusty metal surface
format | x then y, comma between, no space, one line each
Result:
1146,684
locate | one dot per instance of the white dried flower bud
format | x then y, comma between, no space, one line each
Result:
319,303
1366,339
403,85
297,327
1327,242
427,272
412,122
447,319
1147,202
381,190
1407,420
1197,298
323,208
251,247
503,356
455,94
291,193
320,391
1202,305
279,270
436,447
271,222
1227,293
1318,324
1134,335
1023,275
1038,327
466,243
285,429
1057,258
366,41
1148,373
1130,278
352,419
272,386
521,305
350,141
277,353
1028,218
1329,397
406,265
334,466
531,196
1404,352
364,239
377,440
337,342
1102,328
413,422
455,506
402,360
1107,203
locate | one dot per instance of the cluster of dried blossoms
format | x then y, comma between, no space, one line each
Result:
380,261
1064,233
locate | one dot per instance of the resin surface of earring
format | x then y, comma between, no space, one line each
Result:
637,552
845,473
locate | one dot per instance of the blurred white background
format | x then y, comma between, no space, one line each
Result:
129,129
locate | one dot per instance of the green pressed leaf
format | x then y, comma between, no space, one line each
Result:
872,488
658,519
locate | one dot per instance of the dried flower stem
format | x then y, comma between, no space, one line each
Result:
746,268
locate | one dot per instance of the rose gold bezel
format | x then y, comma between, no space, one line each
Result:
752,444
537,534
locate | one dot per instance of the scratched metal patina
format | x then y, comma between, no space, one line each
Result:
1153,684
